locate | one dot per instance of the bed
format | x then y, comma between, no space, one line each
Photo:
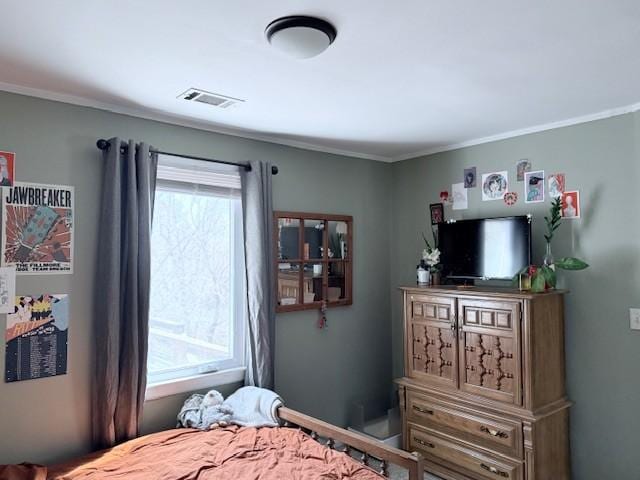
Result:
304,448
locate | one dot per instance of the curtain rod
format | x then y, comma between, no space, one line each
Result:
103,144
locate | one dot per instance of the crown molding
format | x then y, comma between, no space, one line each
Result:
614,112
181,121
202,125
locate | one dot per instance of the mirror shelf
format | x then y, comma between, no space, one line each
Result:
313,260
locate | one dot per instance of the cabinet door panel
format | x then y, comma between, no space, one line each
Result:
489,349
431,339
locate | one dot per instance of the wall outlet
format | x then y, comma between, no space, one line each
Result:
634,318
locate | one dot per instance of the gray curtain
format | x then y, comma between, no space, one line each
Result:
257,208
122,293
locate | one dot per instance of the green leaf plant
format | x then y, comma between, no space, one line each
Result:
544,277
554,220
431,246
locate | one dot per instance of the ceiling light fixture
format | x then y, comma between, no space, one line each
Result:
299,36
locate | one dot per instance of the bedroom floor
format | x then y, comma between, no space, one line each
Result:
396,473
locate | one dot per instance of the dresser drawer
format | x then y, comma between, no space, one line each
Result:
458,456
486,431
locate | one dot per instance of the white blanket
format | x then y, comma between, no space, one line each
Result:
254,407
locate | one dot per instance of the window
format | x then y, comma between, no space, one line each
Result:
197,310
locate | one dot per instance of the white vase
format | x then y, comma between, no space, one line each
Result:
423,276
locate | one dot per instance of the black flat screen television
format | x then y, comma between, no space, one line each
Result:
289,246
487,248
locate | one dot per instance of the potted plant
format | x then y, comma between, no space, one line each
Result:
544,277
431,256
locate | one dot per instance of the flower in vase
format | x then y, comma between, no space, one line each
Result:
431,258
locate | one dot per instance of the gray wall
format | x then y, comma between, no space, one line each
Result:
603,355
319,372
322,371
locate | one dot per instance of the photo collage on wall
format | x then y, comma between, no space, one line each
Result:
37,238
538,187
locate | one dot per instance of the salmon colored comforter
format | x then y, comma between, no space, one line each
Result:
232,453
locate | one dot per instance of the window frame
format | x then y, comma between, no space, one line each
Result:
206,374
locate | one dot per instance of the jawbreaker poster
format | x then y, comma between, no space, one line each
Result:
36,337
37,228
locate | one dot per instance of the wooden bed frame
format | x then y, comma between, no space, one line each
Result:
371,451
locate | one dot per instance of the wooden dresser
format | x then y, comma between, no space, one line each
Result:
483,396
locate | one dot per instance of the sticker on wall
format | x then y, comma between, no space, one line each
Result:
534,187
571,204
494,185
459,195
7,289
470,177
437,213
510,198
7,168
444,197
556,183
36,337
522,167
37,228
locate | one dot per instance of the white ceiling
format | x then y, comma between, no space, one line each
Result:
401,77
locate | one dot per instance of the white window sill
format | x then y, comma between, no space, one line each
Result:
194,383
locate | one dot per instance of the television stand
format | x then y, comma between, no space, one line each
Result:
483,393
460,282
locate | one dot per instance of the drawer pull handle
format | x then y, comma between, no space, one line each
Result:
494,470
494,433
423,443
422,410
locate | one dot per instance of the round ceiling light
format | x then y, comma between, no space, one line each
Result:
300,36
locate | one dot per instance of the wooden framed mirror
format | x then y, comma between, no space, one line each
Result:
313,260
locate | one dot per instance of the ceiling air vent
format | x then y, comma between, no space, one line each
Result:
213,99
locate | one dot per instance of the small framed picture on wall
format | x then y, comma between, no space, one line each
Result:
437,213
494,185
534,187
7,168
470,177
571,204
522,167
556,185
